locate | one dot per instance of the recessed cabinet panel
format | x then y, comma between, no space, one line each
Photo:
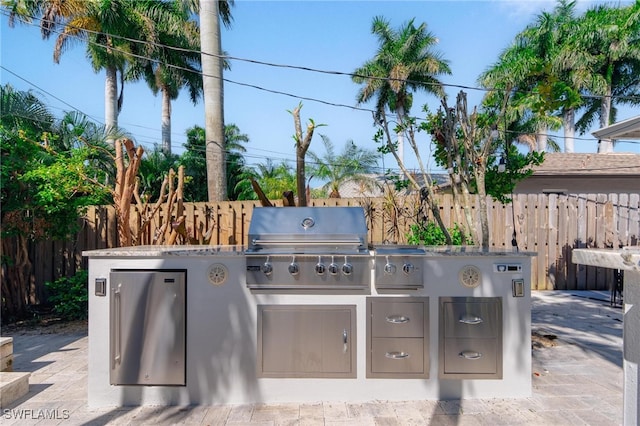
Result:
470,356
397,355
397,319
306,341
470,338
398,337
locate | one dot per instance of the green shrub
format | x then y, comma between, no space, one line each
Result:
430,234
69,296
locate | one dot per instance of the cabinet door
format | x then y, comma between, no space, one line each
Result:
306,341
147,328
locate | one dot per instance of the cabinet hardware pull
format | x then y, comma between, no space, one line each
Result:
345,340
397,319
396,355
118,318
471,320
470,355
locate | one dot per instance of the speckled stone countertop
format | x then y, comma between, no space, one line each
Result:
626,258
235,250
160,251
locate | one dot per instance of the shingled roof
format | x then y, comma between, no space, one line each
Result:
562,164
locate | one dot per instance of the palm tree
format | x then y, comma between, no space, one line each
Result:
194,161
109,30
211,12
528,71
404,63
351,165
175,65
604,53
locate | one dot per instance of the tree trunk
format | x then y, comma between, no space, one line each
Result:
482,200
302,145
166,121
605,145
569,122
111,103
16,277
213,100
542,137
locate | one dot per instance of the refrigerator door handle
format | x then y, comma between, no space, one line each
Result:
118,320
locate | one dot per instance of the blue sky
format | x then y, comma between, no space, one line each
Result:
323,35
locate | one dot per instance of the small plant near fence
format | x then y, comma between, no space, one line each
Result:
69,296
430,234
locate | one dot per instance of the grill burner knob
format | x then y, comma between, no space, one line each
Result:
389,268
347,269
294,269
320,268
267,268
333,268
408,268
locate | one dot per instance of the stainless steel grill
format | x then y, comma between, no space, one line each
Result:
308,248
399,267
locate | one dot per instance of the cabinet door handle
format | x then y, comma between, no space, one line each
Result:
470,355
397,319
472,320
117,295
345,341
397,355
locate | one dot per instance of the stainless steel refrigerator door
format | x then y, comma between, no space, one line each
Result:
147,328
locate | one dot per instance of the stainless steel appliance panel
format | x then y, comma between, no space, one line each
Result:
147,327
307,341
397,355
471,318
397,319
472,356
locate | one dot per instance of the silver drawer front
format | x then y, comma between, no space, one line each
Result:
471,356
397,319
397,355
471,319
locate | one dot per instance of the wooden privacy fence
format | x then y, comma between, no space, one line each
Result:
549,225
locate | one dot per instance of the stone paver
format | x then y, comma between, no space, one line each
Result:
576,381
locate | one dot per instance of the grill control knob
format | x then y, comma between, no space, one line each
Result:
389,268
267,268
320,268
347,269
333,268
294,269
408,268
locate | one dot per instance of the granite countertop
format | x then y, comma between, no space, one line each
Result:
236,250
158,251
626,258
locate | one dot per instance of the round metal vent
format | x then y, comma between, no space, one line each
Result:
217,274
470,276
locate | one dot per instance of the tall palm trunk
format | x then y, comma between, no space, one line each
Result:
569,124
605,145
213,100
166,120
542,137
111,103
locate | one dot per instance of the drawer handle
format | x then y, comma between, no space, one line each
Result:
397,355
467,319
470,355
397,319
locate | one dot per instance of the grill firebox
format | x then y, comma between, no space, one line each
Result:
308,248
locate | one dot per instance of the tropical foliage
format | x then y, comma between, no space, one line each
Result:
353,164
43,190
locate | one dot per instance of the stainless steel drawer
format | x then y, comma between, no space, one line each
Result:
397,355
397,319
472,318
472,356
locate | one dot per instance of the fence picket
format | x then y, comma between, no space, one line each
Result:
550,225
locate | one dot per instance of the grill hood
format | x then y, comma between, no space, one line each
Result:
287,229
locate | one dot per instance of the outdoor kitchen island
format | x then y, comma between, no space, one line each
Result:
180,325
